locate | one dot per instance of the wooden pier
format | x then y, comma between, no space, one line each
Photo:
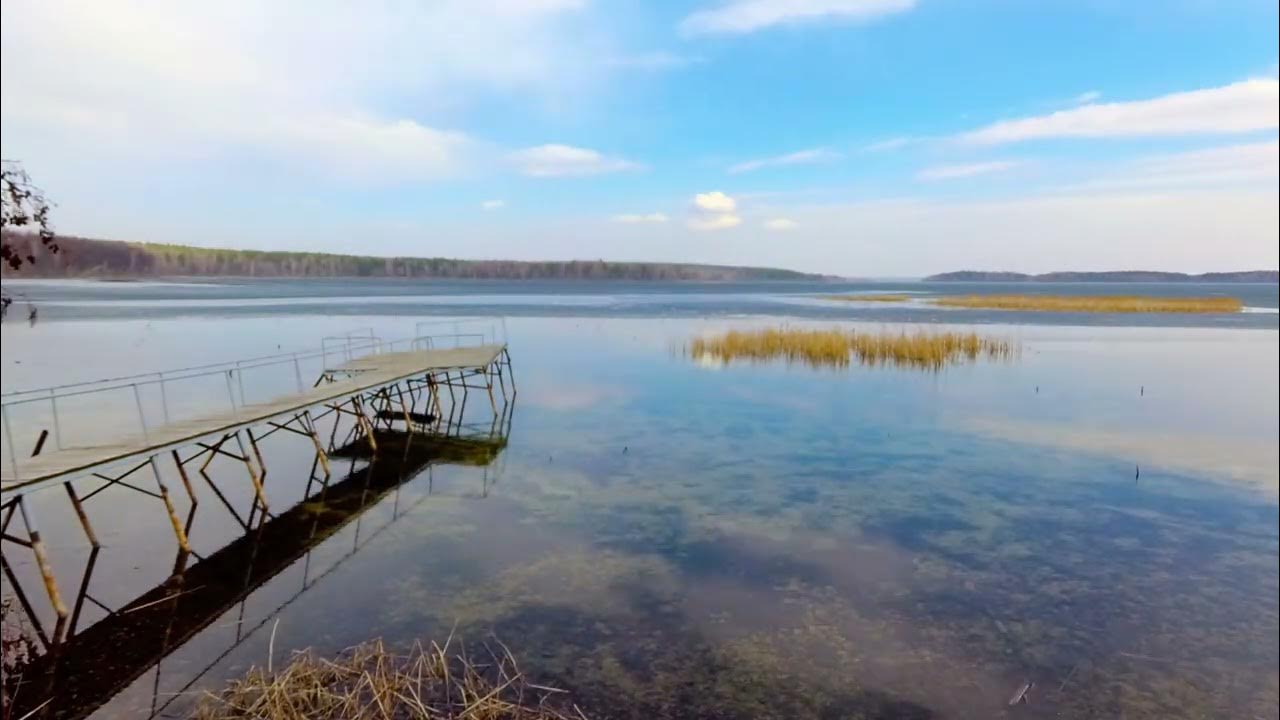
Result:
419,389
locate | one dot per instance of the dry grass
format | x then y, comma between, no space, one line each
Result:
923,349
1095,303
885,298
367,682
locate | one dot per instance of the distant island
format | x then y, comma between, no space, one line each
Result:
89,258
1116,276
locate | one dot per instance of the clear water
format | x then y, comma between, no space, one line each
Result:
666,539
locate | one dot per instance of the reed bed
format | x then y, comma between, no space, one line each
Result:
883,297
368,682
923,349
1095,303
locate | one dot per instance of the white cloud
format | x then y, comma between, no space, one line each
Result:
493,204
1189,230
1087,97
566,161
637,219
714,202
801,157
888,144
952,172
738,17
713,211
136,82
1244,106
1232,165
780,224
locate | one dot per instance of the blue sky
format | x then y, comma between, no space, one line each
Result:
857,137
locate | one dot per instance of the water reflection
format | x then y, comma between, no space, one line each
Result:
73,675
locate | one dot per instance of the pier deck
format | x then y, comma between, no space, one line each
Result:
358,376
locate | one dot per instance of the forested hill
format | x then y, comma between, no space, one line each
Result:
1245,276
84,257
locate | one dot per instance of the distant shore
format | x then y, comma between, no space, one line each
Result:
116,260
1114,276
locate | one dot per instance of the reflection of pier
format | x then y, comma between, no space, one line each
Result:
390,414
88,666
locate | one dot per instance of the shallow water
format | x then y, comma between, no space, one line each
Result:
669,539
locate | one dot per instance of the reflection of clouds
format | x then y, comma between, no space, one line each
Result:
707,361
577,396
1253,462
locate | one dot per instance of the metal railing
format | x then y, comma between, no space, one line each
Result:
160,384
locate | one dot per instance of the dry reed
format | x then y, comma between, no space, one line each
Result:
885,298
368,682
924,349
1095,303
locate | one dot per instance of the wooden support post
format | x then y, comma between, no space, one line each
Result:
186,481
363,421
168,506
260,499
404,408
46,571
321,455
80,513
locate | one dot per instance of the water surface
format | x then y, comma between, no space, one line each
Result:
668,539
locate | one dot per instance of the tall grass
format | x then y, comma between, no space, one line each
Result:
923,349
1095,303
370,682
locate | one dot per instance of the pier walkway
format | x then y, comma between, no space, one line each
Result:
361,375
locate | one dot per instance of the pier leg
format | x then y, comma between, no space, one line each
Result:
260,499
404,408
510,372
186,481
365,424
178,531
321,455
80,513
488,386
46,571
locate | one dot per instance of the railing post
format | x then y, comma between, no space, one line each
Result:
142,417
297,371
230,392
164,400
57,426
240,382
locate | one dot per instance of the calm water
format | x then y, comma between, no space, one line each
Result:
667,539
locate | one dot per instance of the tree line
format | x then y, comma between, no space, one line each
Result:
87,257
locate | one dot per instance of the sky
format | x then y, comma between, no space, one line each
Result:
865,138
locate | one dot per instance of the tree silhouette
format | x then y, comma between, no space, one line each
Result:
24,208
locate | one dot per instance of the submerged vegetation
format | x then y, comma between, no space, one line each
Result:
1095,303
923,349
369,681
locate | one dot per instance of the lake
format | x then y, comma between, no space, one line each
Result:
670,538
